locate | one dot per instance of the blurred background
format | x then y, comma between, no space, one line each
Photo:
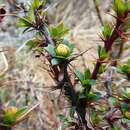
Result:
23,79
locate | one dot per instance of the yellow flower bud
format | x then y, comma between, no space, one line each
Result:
127,114
128,94
63,50
12,110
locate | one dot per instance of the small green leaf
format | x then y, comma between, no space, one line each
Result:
79,75
128,5
87,74
51,50
128,62
62,117
120,7
32,43
125,68
112,101
92,82
24,22
58,31
95,118
54,32
36,4
86,82
102,52
70,45
47,30
102,69
126,94
107,31
124,106
54,61
90,95
20,112
116,128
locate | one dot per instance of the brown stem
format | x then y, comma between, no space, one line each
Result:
5,128
121,48
96,69
98,12
108,45
114,36
68,87
71,94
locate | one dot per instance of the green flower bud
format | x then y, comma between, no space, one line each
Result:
63,50
127,114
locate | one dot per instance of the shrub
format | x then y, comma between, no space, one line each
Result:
88,108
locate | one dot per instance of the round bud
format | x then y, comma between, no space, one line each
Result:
63,50
127,114
11,109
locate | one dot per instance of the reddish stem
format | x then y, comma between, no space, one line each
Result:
108,45
95,71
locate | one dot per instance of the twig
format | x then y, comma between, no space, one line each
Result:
6,64
108,45
21,118
98,12
71,94
80,54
